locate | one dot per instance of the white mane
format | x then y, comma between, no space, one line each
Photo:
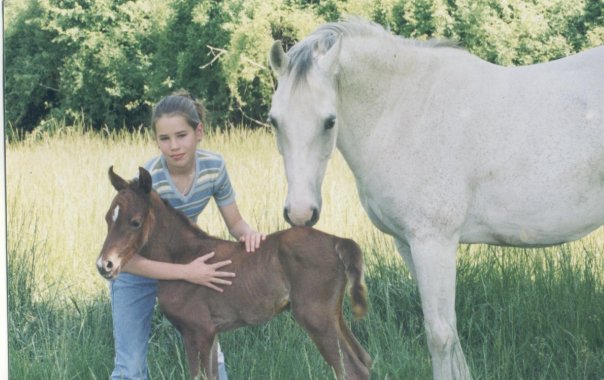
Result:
301,55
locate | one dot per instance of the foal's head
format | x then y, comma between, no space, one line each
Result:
129,221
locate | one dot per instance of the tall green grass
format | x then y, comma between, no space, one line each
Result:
522,314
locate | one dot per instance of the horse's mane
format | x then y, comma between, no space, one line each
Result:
301,55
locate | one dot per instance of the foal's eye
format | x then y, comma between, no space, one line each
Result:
135,223
330,122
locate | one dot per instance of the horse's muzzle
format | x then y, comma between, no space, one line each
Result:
308,223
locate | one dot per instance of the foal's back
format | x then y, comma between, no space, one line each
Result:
264,279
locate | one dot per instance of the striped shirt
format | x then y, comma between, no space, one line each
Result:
211,181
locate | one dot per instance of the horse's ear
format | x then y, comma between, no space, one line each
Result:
118,182
328,61
277,58
144,180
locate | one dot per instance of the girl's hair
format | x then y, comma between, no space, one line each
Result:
181,103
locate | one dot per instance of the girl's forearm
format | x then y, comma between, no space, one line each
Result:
197,272
240,229
154,269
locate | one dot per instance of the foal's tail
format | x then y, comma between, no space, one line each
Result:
351,255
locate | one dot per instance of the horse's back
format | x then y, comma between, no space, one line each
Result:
537,171
591,59
513,154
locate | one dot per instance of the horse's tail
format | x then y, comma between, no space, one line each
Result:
351,255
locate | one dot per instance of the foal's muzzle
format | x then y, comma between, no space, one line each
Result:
106,268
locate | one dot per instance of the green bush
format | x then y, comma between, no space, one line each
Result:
107,61
82,57
187,51
31,81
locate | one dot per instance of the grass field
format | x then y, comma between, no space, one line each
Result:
522,314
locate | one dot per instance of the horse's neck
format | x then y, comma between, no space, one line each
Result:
373,84
173,239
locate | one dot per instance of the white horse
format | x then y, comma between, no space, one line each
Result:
445,148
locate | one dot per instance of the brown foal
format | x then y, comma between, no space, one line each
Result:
300,268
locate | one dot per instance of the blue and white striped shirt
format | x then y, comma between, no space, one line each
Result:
211,180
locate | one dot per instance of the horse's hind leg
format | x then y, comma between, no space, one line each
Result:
322,325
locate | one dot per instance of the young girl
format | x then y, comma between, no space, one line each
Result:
187,178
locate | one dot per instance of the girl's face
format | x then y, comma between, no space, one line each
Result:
177,140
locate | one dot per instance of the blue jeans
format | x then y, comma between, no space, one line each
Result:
132,301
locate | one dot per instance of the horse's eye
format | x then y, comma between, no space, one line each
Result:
135,223
330,122
271,120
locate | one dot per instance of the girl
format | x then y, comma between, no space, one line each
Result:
187,178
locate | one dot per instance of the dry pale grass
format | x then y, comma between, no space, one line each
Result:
58,193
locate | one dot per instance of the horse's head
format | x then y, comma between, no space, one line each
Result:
129,221
303,114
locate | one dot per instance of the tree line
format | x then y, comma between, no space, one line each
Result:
105,62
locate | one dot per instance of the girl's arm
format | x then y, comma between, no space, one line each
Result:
239,228
197,272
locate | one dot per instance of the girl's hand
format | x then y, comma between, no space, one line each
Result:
200,273
252,240
239,228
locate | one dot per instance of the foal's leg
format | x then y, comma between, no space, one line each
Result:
434,259
360,352
321,322
201,352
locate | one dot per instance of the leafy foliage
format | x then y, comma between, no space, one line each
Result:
187,51
31,87
107,61
88,57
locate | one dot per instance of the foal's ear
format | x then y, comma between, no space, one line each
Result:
144,180
118,182
277,58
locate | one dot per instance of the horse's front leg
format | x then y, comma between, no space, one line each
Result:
403,249
434,261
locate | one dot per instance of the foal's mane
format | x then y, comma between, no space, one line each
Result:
188,223
301,55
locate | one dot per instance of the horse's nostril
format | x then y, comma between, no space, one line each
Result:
286,216
109,265
314,218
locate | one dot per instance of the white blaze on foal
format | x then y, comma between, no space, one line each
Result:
116,212
112,262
